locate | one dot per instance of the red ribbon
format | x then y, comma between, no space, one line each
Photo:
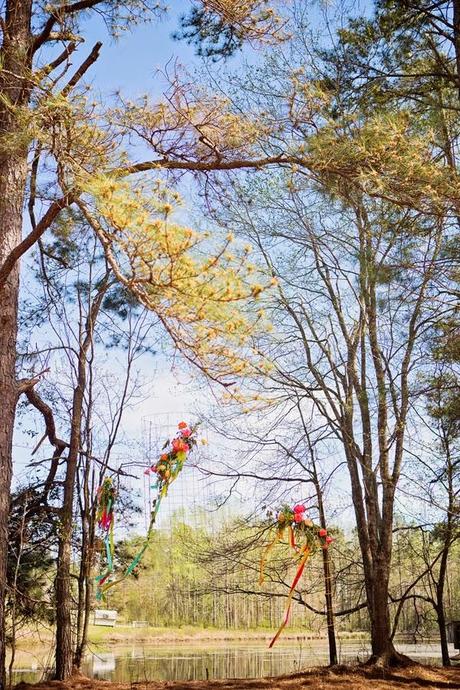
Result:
298,575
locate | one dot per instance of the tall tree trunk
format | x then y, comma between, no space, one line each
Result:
440,585
13,174
64,641
12,180
376,556
333,660
64,644
383,651
81,647
87,554
441,618
448,538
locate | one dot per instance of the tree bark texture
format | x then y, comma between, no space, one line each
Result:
328,593
14,90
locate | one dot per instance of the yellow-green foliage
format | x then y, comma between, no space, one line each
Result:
202,126
196,286
254,19
385,159
70,128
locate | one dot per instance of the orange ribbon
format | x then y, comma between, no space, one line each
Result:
304,554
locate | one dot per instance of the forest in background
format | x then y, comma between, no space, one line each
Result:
208,578
313,301
189,579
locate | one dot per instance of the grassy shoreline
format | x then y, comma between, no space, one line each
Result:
122,634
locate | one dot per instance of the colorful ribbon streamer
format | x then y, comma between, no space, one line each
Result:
298,526
304,558
103,585
105,517
166,470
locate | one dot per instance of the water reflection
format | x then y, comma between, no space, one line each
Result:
227,660
185,663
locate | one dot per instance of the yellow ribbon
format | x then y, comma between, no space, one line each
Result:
267,550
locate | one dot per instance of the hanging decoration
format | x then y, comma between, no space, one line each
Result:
164,472
105,517
304,539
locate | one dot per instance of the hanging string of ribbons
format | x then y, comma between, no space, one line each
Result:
304,538
164,472
105,517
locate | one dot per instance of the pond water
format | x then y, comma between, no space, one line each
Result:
199,661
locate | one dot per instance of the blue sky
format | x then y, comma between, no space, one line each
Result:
133,62
132,65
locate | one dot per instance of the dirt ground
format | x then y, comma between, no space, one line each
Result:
338,678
